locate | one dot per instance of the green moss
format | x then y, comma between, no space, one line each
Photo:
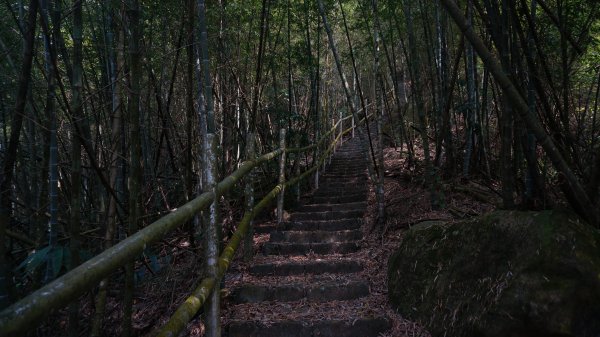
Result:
503,271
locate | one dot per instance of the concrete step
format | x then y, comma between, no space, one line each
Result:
325,207
309,267
316,236
330,225
331,215
251,293
363,327
291,249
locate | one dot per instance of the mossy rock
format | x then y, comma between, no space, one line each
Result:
507,273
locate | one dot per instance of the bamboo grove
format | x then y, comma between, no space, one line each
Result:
114,113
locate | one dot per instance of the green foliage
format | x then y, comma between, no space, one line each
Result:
36,259
32,265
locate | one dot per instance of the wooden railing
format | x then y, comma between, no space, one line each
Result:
27,313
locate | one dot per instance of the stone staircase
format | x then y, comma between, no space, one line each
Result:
308,263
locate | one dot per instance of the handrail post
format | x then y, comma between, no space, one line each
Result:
281,176
249,196
334,134
317,178
298,157
330,141
212,233
352,126
341,127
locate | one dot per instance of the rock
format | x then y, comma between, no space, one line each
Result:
506,273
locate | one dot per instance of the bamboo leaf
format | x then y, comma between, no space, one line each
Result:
34,260
57,260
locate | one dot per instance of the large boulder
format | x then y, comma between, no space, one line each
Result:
507,273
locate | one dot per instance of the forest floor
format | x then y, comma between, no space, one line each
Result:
407,204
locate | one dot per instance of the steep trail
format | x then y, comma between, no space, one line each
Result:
309,281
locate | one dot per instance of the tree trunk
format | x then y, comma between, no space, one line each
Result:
472,102
76,197
135,152
213,230
379,98
51,115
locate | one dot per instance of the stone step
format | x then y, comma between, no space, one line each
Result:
316,236
347,155
343,178
356,188
330,225
310,225
347,164
291,249
332,215
328,191
309,267
252,293
344,170
353,160
328,179
343,173
338,183
344,181
328,175
363,327
339,199
350,148
325,207
265,228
